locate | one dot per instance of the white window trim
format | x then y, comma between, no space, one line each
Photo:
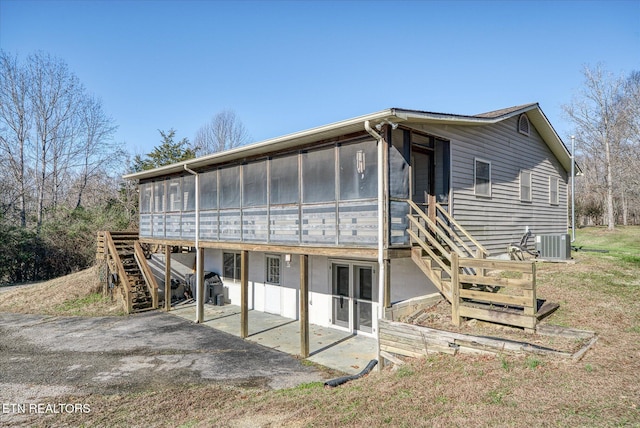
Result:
530,196
557,182
475,189
266,276
232,279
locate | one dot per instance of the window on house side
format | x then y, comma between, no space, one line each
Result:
188,193
482,178
284,180
174,193
553,190
158,197
319,176
209,190
525,186
273,270
231,266
146,197
229,187
254,183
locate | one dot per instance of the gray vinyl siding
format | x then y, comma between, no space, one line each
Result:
501,219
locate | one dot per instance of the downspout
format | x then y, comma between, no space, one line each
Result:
199,285
573,188
381,269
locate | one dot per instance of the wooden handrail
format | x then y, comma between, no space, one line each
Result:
446,254
517,266
149,279
462,229
439,232
450,231
429,251
123,278
465,271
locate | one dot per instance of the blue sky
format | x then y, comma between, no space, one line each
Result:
287,66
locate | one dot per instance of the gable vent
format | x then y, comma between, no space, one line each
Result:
523,124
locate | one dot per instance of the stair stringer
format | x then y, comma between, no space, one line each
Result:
424,264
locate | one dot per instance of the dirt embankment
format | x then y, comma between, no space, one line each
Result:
75,294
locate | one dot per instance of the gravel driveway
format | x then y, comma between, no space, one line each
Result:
42,357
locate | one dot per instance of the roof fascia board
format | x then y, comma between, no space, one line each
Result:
414,115
535,113
264,147
551,137
291,141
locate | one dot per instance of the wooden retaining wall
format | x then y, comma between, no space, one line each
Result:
407,307
407,340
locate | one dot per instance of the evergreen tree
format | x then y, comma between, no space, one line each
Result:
166,153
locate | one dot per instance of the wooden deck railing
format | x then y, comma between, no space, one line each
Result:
481,251
515,303
440,231
149,279
464,280
114,260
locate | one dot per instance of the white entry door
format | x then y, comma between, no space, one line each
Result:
273,287
352,301
272,299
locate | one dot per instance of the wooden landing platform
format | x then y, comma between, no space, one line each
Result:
544,308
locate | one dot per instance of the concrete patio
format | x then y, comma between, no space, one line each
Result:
329,347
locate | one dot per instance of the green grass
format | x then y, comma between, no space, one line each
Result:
504,363
78,306
496,396
613,273
532,362
623,244
599,292
404,371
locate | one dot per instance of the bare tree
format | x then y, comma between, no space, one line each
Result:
55,93
223,132
599,114
56,156
15,123
96,150
630,162
54,138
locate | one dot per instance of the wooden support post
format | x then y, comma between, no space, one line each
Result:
387,284
481,255
167,278
244,294
105,285
532,310
304,305
455,289
200,285
431,209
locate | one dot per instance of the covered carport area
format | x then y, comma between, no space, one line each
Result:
329,347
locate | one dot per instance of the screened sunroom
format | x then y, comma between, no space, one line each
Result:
325,196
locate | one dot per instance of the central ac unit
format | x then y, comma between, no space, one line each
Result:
554,247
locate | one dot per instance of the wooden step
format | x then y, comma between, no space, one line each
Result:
545,308
498,314
144,309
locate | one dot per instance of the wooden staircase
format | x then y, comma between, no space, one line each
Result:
456,263
127,271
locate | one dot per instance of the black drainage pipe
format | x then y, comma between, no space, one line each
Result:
332,383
